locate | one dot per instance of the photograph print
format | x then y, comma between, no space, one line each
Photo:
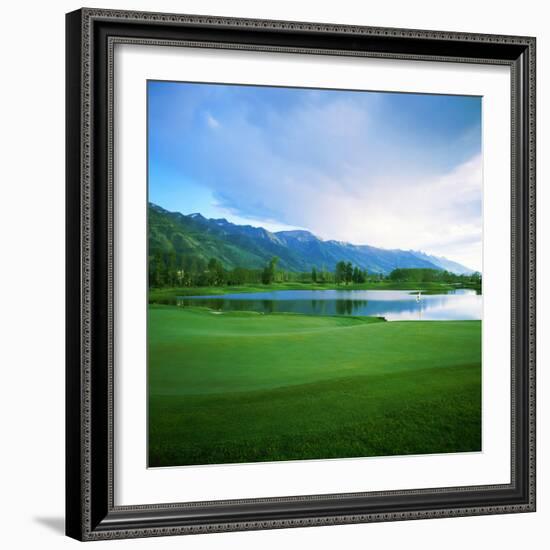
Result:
314,273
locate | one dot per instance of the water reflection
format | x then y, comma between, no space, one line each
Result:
391,304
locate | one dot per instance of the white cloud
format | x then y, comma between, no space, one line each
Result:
211,121
326,168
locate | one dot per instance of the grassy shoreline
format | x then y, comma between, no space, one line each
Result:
168,295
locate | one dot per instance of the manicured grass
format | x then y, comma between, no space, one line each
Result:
246,387
168,295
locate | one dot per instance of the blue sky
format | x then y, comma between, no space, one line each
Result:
387,169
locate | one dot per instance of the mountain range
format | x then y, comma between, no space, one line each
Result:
252,247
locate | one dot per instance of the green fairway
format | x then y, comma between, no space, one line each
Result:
246,387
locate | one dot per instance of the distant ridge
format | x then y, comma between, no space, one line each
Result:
445,264
297,250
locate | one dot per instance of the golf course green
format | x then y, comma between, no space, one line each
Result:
245,387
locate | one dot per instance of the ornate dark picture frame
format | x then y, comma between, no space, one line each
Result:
91,513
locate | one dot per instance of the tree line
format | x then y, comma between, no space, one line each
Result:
427,275
170,270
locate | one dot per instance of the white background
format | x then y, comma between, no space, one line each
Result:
32,306
137,485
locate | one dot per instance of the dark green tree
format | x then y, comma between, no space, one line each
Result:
158,270
340,272
172,270
270,270
216,272
349,272
358,275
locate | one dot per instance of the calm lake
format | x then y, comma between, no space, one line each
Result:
393,305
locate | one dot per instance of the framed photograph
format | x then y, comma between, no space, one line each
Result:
300,274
